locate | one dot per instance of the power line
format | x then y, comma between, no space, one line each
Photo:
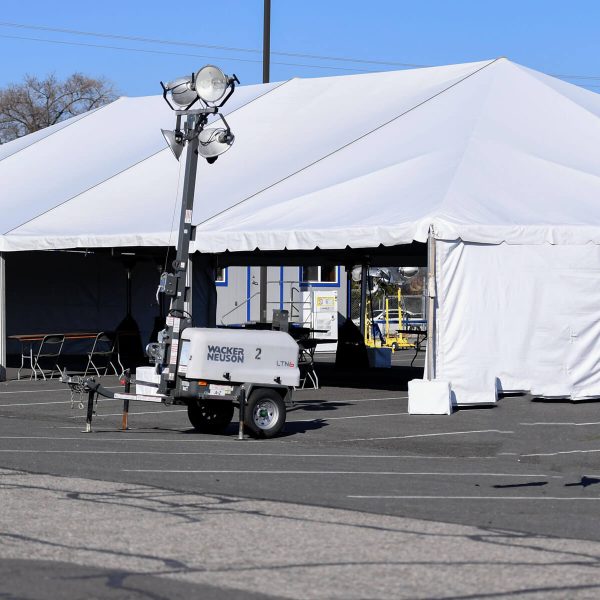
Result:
213,47
226,48
163,52
238,49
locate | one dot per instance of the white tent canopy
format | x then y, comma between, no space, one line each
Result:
486,152
499,160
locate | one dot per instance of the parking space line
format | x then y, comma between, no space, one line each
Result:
473,497
147,412
569,424
362,473
91,437
350,417
52,402
50,390
349,400
251,454
420,435
562,452
43,391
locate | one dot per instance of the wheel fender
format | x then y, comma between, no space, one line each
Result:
284,391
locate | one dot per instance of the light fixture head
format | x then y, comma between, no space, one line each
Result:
211,83
408,272
213,142
182,91
174,140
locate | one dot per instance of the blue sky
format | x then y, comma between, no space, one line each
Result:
557,37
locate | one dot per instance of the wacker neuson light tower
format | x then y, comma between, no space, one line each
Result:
208,369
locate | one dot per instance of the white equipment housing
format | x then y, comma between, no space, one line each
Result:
239,356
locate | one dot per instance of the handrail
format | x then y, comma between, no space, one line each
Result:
239,306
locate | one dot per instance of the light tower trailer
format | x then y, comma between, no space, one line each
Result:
209,370
216,371
222,368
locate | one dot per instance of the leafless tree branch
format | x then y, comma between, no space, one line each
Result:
37,103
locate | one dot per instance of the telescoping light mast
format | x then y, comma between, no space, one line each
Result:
209,370
209,88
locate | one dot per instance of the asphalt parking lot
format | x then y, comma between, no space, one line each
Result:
357,500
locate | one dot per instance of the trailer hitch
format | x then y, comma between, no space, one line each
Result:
80,385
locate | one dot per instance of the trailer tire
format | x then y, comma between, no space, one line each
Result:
210,416
265,413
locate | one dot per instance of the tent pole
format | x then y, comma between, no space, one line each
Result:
431,295
363,301
2,317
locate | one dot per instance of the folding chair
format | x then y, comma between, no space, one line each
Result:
104,349
306,362
48,352
26,355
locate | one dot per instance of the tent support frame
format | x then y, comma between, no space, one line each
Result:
431,297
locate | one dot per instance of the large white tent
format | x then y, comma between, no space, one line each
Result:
498,161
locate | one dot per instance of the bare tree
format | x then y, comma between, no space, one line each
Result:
37,103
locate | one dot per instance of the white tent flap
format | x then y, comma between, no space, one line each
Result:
519,318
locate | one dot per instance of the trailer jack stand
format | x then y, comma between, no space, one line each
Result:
126,381
241,435
90,411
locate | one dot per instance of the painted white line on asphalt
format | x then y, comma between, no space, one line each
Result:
420,435
569,424
352,417
472,498
51,391
91,437
369,399
295,472
148,412
562,452
349,400
252,454
53,402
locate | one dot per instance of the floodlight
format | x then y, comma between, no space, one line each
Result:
182,92
379,273
174,140
211,83
408,272
213,142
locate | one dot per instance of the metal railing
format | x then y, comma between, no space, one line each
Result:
297,305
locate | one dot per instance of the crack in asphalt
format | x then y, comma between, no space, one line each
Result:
169,562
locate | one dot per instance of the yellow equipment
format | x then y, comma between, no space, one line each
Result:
385,339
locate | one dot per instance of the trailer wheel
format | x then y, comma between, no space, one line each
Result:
210,416
265,413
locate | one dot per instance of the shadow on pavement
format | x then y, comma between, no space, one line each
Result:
39,580
295,427
395,378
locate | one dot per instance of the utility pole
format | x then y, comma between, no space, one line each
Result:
266,77
267,41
